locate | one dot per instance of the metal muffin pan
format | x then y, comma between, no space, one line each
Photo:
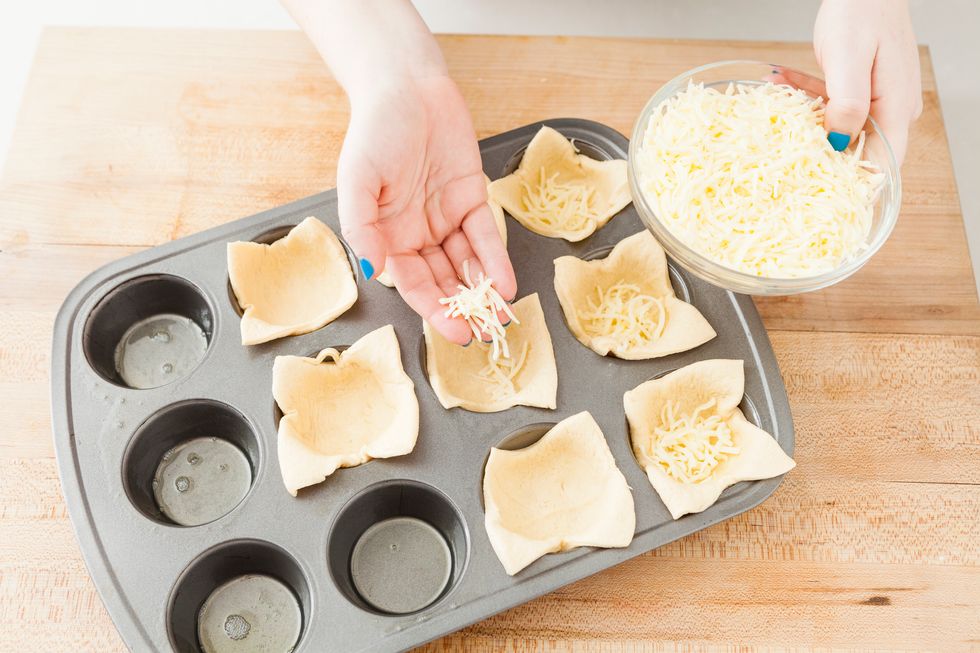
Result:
154,575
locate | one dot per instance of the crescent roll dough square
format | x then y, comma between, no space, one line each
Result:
562,492
297,284
498,218
624,304
344,411
559,193
664,414
468,377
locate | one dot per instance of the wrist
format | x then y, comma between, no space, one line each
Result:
370,82
370,44
395,87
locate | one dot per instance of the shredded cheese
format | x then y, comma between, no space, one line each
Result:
478,303
747,178
623,314
500,373
690,446
551,204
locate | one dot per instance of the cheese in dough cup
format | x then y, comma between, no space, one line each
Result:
562,492
297,284
468,376
498,218
559,193
624,304
342,409
693,441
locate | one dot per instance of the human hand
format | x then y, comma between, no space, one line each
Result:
870,60
410,187
412,197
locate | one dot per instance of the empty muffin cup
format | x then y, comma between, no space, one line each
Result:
397,548
148,332
190,463
200,480
253,612
241,596
401,565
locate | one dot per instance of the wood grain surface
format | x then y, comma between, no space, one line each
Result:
129,138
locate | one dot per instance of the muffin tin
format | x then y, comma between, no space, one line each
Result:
154,575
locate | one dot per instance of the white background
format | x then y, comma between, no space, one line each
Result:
949,27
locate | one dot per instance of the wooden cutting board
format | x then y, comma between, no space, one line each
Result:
129,138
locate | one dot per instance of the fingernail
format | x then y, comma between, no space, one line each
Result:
838,141
506,324
366,268
468,342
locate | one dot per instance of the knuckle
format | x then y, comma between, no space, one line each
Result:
347,230
851,106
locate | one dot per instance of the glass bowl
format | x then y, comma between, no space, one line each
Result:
877,150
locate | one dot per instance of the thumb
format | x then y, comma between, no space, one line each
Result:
358,208
894,121
848,76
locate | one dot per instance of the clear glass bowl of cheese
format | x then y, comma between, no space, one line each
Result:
753,279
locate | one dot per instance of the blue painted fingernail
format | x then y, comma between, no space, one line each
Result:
468,342
506,324
838,141
366,268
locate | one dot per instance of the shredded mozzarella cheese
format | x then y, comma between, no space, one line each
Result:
623,314
551,204
478,303
747,178
690,446
500,373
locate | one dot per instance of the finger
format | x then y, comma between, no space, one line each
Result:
464,259
415,283
442,270
462,195
357,204
461,254
446,208
484,240
893,120
848,75
896,96
815,87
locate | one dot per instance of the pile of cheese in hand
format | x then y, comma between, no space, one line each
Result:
746,177
479,304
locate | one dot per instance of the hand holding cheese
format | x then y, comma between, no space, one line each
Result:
410,187
869,56
743,175
411,199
